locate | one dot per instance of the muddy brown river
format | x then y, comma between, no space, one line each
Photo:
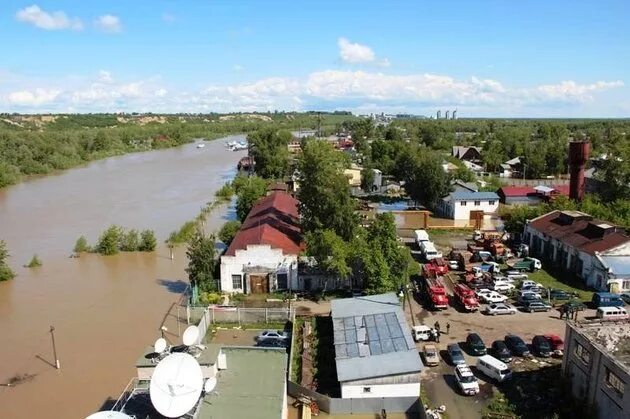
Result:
105,309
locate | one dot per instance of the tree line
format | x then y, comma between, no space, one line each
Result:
116,239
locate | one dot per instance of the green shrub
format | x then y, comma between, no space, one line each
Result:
228,231
81,245
210,298
226,192
130,241
147,241
34,263
109,242
5,272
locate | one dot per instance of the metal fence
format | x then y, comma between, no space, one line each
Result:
337,406
205,316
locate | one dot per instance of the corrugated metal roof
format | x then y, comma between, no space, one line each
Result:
620,265
372,338
474,196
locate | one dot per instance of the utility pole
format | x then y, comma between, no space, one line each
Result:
52,335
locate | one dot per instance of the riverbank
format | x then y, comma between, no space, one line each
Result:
105,309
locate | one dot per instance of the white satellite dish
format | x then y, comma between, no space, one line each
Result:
160,345
210,384
109,414
176,385
190,335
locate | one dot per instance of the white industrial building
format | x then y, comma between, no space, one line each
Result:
263,256
374,352
595,251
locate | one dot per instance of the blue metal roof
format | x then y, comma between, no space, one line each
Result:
372,338
474,196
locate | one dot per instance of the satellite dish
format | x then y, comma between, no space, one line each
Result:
176,385
210,384
109,414
160,345
190,335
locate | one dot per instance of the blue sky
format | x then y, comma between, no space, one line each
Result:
485,58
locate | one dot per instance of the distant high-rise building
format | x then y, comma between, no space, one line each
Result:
439,114
447,113
455,114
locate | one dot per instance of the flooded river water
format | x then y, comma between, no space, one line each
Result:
105,309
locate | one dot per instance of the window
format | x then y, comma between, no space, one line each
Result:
625,285
282,281
491,202
477,203
615,382
367,389
463,203
582,353
237,282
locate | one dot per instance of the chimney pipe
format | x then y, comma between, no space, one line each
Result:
578,156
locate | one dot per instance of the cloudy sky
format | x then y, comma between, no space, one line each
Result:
530,58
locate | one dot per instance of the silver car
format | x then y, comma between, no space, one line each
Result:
500,308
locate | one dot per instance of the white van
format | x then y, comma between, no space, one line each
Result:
493,368
421,332
421,236
611,313
429,251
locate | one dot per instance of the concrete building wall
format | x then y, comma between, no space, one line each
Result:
261,256
460,210
589,370
349,391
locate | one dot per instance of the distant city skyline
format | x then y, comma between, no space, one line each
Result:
489,58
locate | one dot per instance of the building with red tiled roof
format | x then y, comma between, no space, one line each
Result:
263,255
595,251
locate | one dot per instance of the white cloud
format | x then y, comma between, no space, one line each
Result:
108,23
327,89
34,97
42,19
355,53
105,76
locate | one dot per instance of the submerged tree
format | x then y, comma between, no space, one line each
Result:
5,271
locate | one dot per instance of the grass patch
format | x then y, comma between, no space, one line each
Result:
450,231
296,350
550,281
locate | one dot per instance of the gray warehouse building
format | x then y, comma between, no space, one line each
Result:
597,364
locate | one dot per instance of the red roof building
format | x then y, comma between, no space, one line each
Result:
263,255
574,242
529,195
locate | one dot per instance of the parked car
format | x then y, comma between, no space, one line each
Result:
456,354
453,264
493,297
556,343
431,356
504,287
272,334
535,289
541,346
272,343
500,351
475,344
536,305
555,294
466,380
516,345
516,276
529,283
481,291
625,297
500,308
573,305
522,298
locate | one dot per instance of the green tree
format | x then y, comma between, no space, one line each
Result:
425,179
329,251
201,262
367,178
253,189
614,173
130,241
81,245
226,192
109,242
9,174
228,231
324,194
493,156
270,152
5,271
148,242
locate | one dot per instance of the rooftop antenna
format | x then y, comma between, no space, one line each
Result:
109,414
176,385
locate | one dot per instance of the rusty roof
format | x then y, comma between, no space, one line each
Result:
580,230
273,220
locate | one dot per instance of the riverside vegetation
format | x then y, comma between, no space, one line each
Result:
5,271
116,239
